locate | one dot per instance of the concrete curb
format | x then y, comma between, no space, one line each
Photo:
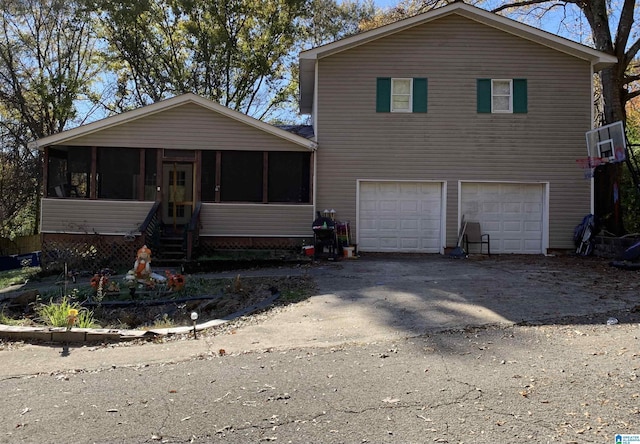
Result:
75,335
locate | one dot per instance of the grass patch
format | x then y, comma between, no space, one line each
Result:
18,276
164,322
6,320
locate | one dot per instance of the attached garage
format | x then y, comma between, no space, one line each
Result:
513,214
399,216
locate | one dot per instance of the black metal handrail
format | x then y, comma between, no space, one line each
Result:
150,228
153,212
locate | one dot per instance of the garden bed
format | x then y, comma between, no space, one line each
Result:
159,306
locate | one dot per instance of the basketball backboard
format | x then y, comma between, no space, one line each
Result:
607,144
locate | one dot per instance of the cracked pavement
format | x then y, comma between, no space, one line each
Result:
486,351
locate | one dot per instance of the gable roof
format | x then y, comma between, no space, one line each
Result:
164,105
308,59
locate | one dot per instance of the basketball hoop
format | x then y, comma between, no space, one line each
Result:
606,144
589,164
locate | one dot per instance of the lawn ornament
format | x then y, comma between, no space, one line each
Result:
142,265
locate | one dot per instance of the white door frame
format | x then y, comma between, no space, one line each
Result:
545,204
443,205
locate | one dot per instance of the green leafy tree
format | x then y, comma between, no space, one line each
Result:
240,54
46,65
229,51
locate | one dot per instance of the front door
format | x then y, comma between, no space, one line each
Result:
177,194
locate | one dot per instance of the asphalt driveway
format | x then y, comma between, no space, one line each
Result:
382,298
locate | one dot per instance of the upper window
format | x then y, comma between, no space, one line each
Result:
502,95
501,92
401,90
401,95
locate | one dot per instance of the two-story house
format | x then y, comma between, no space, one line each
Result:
454,113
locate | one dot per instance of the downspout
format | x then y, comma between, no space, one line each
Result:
592,126
314,122
42,188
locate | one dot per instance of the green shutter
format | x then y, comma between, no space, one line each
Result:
420,95
519,95
484,96
383,95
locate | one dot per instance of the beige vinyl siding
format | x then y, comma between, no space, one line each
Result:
256,220
452,141
188,126
92,216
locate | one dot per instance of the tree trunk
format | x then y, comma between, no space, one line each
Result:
607,177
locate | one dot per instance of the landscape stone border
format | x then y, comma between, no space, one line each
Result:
75,335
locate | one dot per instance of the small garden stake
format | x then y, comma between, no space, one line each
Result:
194,318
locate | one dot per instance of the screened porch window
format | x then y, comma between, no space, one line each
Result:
150,174
208,176
118,171
242,177
69,170
289,177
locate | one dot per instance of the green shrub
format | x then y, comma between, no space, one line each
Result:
55,314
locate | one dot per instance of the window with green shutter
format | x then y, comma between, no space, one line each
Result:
502,96
520,95
383,95
420,88
484,96
399,95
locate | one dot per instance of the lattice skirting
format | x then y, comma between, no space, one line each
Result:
88,252
93,252
208,245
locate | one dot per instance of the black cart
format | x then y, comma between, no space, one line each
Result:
325,239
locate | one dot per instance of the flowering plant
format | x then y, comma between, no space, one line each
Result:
175,281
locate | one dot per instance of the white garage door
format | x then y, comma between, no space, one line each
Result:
512,214
400,217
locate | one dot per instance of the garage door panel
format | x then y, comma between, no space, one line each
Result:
410,244
511,245
532,245
491,207
512,208
388,206
409,206
512,214
386,223
408,216
533,208
512,226
413,225
388,243
533,226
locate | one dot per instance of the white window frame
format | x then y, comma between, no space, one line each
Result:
494,95
402,110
